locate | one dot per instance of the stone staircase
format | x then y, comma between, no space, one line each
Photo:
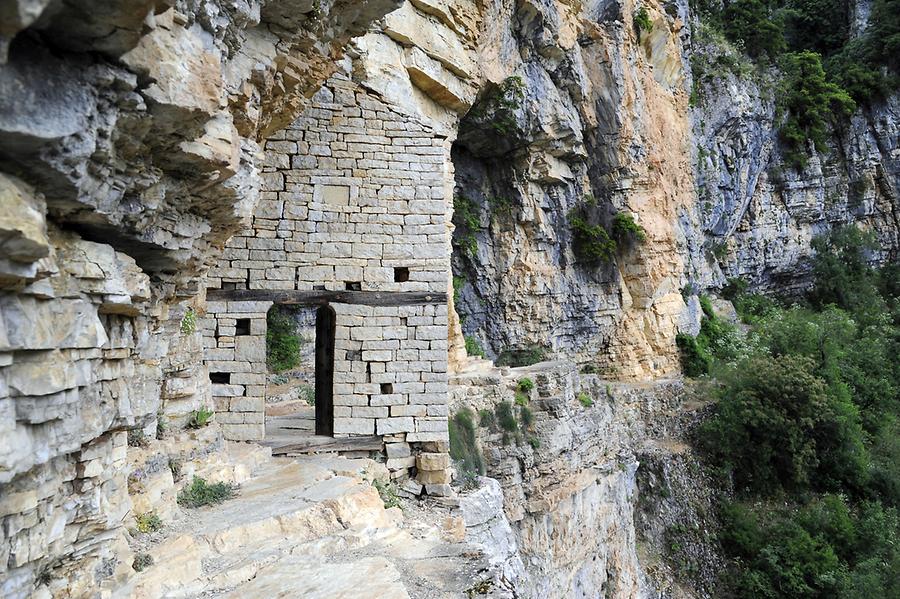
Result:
309,527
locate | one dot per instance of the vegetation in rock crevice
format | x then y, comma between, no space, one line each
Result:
201,493
825,71
594,243
464,444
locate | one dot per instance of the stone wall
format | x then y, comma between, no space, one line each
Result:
353,199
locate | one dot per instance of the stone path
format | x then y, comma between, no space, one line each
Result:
308,527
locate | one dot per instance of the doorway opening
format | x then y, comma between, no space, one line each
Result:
300,373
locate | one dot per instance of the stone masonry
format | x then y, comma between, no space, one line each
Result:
354,198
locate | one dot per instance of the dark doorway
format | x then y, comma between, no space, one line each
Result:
325,324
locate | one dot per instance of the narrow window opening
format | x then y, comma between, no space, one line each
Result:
242,327
229,285
387,388
401,274
318,287
353,286
220,378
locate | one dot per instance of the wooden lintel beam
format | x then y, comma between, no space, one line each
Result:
321,297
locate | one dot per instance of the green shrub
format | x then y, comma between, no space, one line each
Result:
534,442
811,105
189,322
141,562
585,400
777,427
458,283
591,244
521,399
486,418
750,23
642,20
463,444
625,230
526,415
387,490
504,103
148,522
200,418
473,347
695,359
506,417
716,341
468,223
282,341
525,385
200,493
526,356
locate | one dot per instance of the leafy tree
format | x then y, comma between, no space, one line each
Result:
750,23
811,104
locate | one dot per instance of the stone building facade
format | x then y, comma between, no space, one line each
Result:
355,204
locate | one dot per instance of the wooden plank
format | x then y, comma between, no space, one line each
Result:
317,444
322,297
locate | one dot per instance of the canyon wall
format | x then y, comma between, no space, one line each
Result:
131,151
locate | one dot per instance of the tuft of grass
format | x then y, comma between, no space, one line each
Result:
200,418
585,400
521,399
137,438
141,562
473,347
526,415
525,385
148,522
534,442
463,445
200,493
486,419
531,354
506,418
387,490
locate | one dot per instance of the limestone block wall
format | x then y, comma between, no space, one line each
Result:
354,198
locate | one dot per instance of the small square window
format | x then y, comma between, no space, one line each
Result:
242,327
387,388
401,274
220,378
353,286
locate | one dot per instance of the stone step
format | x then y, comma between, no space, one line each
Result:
317,504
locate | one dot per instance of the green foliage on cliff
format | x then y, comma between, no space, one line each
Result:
812,105
717,340
468,223
826,70
463,444
282,341
642,21
805,431
594,243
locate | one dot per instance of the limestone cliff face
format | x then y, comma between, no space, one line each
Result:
754,215
128,155
594,490
603,118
